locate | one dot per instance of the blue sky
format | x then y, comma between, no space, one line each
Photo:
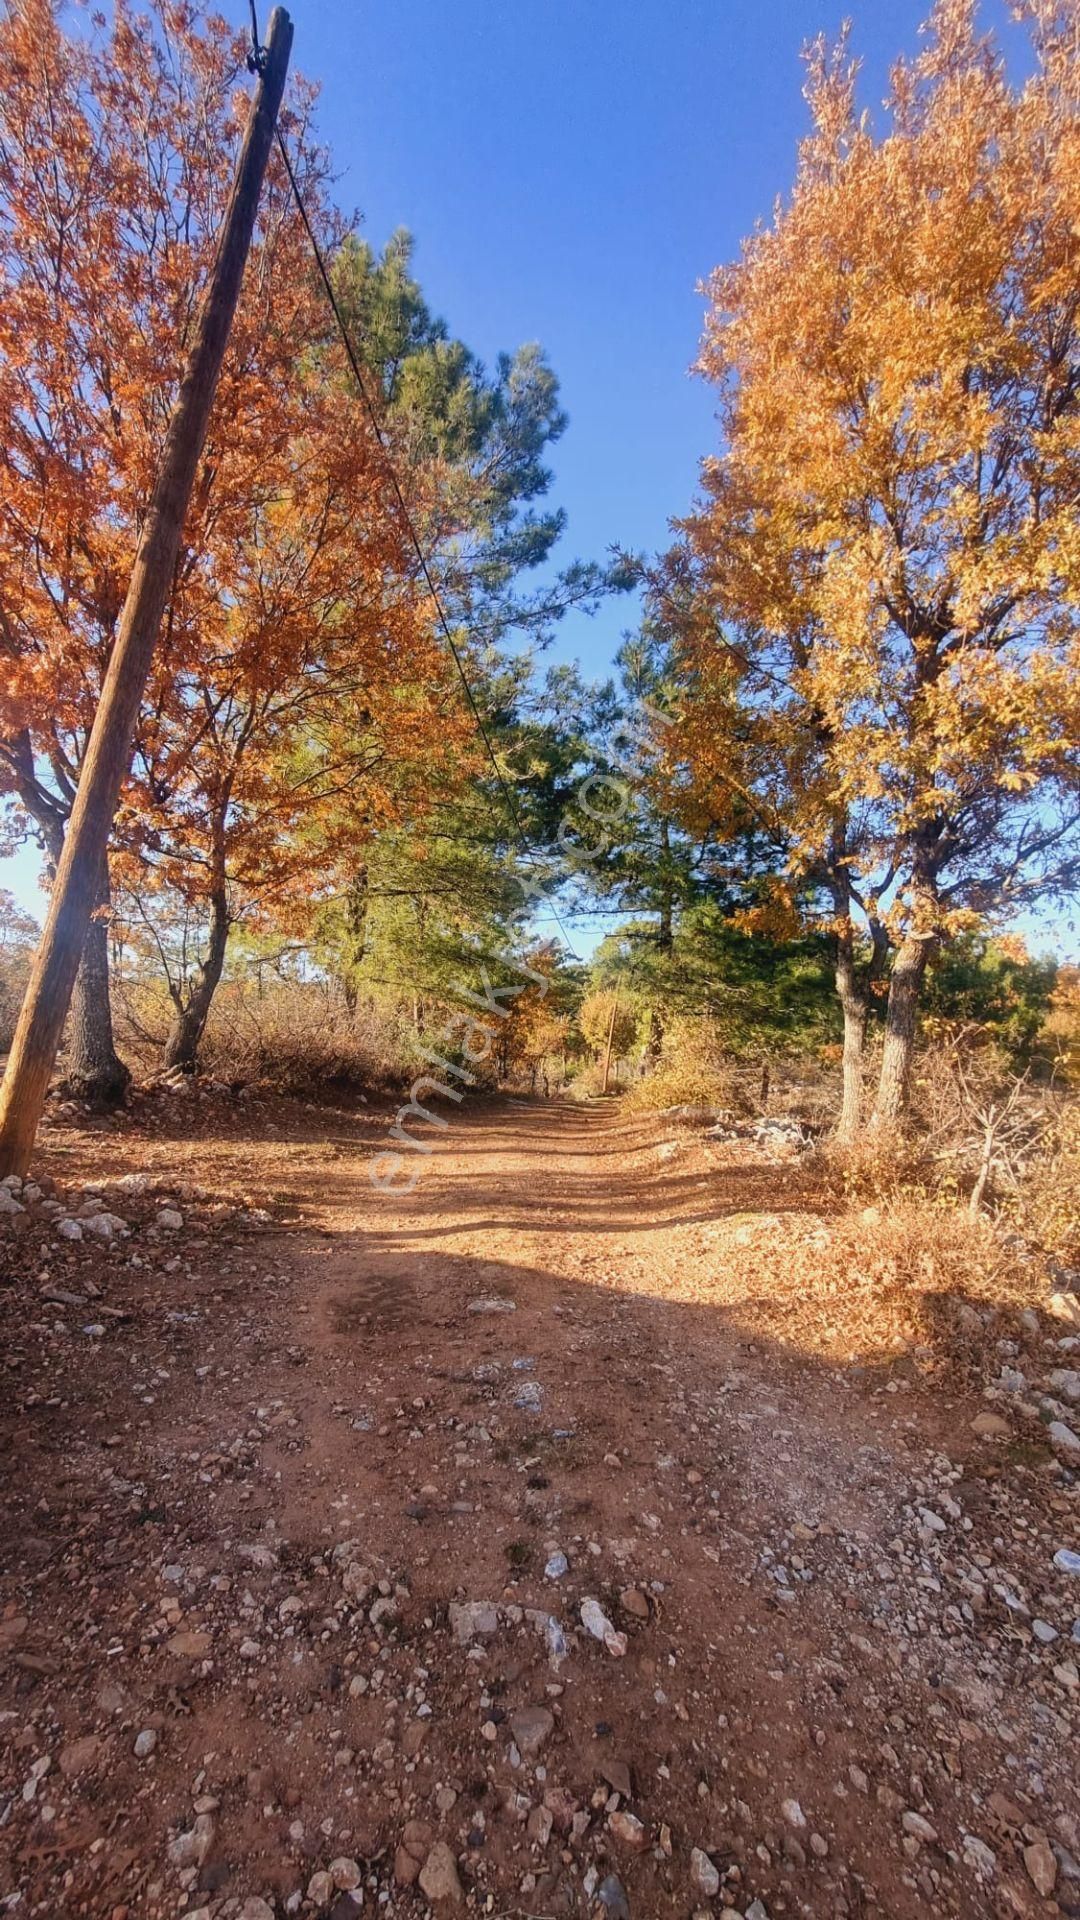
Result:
571,169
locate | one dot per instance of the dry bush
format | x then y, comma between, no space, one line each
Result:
898,1274
1048,1199
870,1282
693,1071
876,1167
296,1036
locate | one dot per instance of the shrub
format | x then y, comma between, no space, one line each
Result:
693,1071
1048,1202
296,1036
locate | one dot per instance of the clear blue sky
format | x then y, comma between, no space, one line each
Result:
571,169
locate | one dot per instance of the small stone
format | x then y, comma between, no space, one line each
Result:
80,1756
633,1602
145,1743
189,1646
492,1303
1063,1439
406,1869
531,1727
793,1814
919,1828
169,1220
191,1848
556,1567
345,1874
611,1901
256,1909
473,1620
248,1649
69,1230
1066,1561
991,1426
319,1889
979,1856
539,1825
596,1622
627,1829
439,1878
1044,1632
1041,1867
704,1877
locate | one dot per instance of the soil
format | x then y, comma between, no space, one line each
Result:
284,1625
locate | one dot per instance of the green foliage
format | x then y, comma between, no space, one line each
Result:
485,431
994,985
764,995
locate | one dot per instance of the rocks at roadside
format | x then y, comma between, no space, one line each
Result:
531,1728
704,1876
439,1877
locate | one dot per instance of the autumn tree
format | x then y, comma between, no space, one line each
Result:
878,591
298,660
606,1011
116,155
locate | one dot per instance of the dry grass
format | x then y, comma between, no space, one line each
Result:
294,1036
693,1071
867,1283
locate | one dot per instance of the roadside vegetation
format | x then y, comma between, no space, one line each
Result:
837,756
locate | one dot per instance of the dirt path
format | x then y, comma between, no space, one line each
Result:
298,1536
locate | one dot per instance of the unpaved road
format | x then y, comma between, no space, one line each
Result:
247,1528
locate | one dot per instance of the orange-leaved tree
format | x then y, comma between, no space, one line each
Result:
877,595
117,147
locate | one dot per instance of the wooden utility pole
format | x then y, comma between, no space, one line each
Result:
610,1038
108,752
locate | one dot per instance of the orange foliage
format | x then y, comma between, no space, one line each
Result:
297,669
877,601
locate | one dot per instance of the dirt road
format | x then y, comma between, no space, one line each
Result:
494,1549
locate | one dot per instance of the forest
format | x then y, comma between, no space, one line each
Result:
775,908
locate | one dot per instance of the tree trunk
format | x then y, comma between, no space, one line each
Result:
854,1002
94,1070
904,989
182,1045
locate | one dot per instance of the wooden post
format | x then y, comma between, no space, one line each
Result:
610,1038
108,752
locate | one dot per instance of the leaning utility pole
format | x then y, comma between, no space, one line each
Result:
108,752
610,1038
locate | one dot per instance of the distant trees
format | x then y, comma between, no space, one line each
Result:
876,602
19,933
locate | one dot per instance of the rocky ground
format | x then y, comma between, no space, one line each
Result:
508,1548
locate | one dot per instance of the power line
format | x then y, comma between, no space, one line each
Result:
407,519
255,64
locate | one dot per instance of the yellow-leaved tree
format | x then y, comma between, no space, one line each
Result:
875,602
